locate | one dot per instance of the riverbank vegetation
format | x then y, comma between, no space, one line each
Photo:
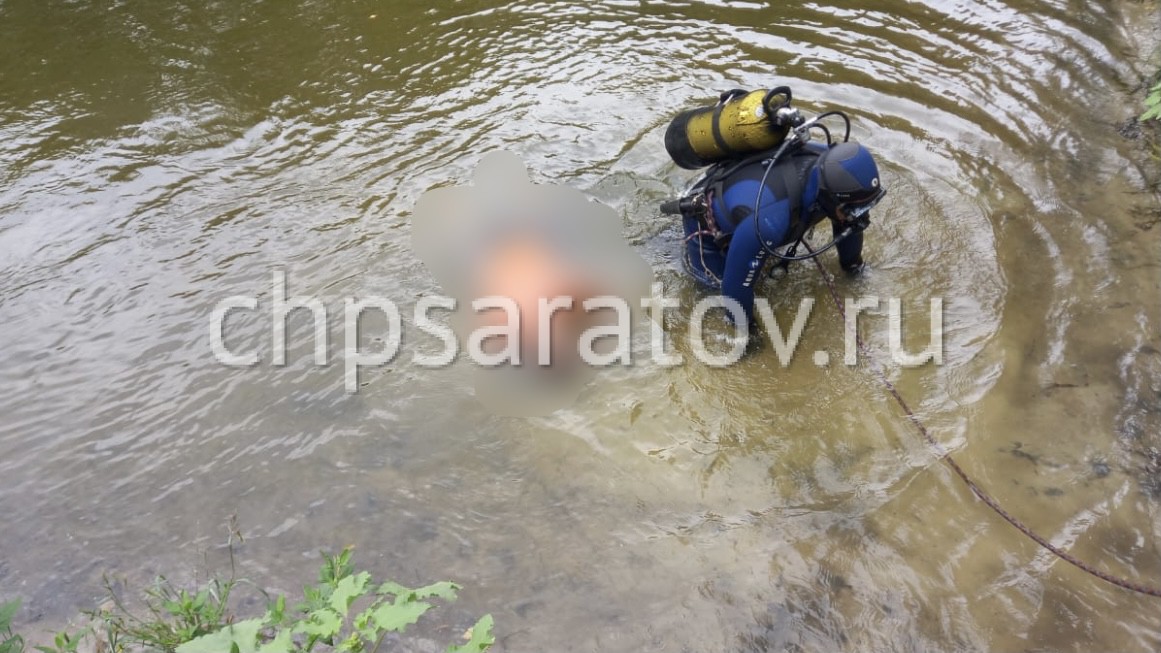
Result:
1153,103
345,611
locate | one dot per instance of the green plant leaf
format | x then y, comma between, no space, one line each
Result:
276,611
394,589
312,599
8,612
200,600
363,619
321,623
1153,100
443,590
242,636
481,638
1151,114
282,643
394,617
352,644
347,590
14,644
335,568
64,643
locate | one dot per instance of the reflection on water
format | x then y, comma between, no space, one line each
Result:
158,157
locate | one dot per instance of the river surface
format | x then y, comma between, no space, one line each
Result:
157,157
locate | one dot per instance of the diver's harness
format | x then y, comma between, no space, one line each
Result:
696,201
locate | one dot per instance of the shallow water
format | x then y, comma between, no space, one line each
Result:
161,156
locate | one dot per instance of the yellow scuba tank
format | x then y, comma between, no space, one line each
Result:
740,123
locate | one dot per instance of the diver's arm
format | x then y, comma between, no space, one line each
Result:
744,262
850,249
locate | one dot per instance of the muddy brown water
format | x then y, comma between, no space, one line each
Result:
160,156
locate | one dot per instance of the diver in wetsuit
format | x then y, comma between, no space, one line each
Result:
726,250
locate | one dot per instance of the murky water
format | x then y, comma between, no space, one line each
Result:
160,156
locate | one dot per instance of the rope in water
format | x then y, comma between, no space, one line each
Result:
943,455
